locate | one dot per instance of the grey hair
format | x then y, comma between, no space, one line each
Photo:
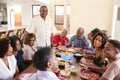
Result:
65,31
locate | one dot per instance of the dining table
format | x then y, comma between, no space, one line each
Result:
72,76
75,76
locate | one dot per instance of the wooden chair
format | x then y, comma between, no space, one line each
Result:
10,33
23,30
20,33
3,34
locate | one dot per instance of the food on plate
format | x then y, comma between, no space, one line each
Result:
62,48
62,64
89,75
68,53
70,50
65,73
78,55
77,50
73,70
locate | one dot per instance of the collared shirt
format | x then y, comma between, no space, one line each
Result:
113,71
40,75
5,72
76,43
42,29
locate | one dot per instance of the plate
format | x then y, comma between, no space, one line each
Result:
89,75
81,64
65,73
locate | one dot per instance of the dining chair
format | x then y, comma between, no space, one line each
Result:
2,34
20,33
10,33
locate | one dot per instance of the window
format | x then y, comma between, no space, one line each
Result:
59,14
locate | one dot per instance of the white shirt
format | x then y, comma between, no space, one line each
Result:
113,71
5,73
40,75
42,29
28,51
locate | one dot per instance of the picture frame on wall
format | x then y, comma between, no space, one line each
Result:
35,10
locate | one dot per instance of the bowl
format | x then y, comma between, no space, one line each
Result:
78,56
62,64
67,57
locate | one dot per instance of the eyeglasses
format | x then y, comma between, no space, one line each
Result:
32,40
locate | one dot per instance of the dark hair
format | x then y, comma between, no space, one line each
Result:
13,40
41,58
115,43
94,31
28,38
104,38
4,45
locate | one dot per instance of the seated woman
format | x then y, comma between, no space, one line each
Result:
17,51
98,43
92,34
60,39
112,52
29,48
8,63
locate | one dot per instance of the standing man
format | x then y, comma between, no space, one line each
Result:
42,27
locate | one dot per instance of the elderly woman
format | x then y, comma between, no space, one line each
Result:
29,48
79,40
60,39
8,63
112,52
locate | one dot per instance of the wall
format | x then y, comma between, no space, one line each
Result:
26,14
26,11
90,14
117,23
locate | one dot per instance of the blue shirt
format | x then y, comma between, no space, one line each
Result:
78,43
19,60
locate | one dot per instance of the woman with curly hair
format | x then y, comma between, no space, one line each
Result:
29,47
8,63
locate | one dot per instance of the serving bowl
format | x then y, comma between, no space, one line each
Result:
78,56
